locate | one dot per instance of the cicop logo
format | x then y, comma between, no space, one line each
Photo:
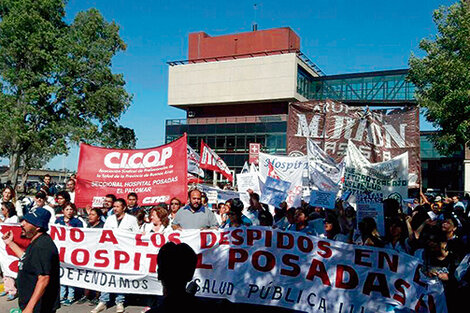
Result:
117,160
156,199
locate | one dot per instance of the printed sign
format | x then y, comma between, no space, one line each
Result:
255,149
380,134
155,174
323,199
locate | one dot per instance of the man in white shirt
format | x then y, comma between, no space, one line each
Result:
70,185
122,221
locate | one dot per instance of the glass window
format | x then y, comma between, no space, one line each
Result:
241,143
220,142
230,143
211,141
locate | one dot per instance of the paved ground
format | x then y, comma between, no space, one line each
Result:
5,307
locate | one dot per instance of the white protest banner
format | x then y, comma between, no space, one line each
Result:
222,195
274,191
256,265
324,172
323,199
247,181
290,169
370,205
387,179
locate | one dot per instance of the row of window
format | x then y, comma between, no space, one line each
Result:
240,128
270,143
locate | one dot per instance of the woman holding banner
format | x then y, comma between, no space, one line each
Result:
159,221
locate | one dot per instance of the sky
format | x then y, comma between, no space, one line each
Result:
341,36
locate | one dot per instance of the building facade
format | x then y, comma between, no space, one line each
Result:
235,90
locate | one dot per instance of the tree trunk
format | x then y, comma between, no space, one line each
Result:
14,168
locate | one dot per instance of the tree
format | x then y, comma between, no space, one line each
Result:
442,77
56,81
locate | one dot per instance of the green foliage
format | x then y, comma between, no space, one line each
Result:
442,77
56,81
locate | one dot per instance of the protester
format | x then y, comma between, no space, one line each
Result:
70,187
301,223
194,215
396,236
176,266
94,218
68,219
9,216
175,205
368,233
122,221
62,197
286,221
8,194
159,221
221,213
39,269
107,208
235,216
132,206
48,185
332,229
40,202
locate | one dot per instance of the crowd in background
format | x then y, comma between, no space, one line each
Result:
434,229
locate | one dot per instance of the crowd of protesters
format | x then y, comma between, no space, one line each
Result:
434,229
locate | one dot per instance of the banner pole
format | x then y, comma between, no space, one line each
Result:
214,180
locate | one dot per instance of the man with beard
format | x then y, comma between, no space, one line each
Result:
194,215
38,278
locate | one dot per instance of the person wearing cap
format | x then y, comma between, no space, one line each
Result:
38,278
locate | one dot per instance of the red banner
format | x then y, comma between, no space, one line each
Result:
154,174
211,161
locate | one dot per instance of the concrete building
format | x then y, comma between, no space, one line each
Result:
235,90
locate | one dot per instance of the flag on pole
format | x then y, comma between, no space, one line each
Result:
211,161
193,162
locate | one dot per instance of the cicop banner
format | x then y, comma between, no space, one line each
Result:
155,174
256,265
380,134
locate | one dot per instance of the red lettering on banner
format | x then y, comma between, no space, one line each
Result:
399,284
224,238
108,236
62,254
270,261
417,276
85,255
200,263
252,235
236,256
353,279
120,257
391,261
153,262
208,239
137,261
382,286
359,254
139,242
58,233
269,238
280,241
157,243
175,238
237,236
305,244
295,268
325,248
99,256
317,269
76,235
